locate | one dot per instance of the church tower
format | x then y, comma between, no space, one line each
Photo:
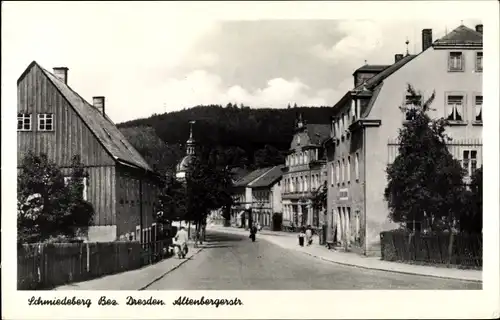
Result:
184,164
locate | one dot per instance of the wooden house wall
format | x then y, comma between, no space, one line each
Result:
128,200
71,136
36,94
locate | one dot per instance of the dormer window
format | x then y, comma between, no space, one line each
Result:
456,62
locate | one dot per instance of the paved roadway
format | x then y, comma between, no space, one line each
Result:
233,262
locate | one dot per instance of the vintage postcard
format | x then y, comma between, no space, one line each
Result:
250,160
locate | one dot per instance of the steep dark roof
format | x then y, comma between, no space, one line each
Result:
461,36
371,68
113,141
318,133
243,182
269,178
377,79
238,173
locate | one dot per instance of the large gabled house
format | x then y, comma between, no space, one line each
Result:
366,120
55,120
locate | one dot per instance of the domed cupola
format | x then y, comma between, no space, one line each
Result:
185,162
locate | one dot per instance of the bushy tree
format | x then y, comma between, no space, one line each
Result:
424,181
47,207
320,198
471,220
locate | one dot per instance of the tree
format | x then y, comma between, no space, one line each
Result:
320,197
208,187
268,156
47,206
424,181
471,220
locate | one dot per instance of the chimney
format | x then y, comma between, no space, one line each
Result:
426,39
479,28
398,57
61,73
98,103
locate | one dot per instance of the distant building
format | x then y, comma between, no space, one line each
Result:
303,174
183,165
55,120
366,121
266,196
242,198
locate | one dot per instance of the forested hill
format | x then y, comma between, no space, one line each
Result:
234,129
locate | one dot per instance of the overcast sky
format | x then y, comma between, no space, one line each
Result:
154,57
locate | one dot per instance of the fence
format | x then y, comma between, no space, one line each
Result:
467,249
41,266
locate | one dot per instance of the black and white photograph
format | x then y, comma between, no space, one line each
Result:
163,149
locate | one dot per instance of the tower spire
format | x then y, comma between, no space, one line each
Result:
190,142
407,43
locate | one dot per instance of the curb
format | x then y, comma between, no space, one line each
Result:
169,271
359,266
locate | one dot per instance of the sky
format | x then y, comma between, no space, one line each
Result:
156,57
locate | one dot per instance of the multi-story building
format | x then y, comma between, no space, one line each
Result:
365,127
303,174
55,120
242,198
266,196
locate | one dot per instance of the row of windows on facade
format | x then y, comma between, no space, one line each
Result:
262,196
455,108
340,171
456,61
45,122
263,218
301,157
455,111
300,184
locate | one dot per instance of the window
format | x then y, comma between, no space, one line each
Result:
478,108
356,165
455,61
455,108
469,161
343,170
45,122
348,169
354,111
23,122
411,105
337,171
479,61
305,184
332,166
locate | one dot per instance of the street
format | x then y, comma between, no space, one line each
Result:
233,262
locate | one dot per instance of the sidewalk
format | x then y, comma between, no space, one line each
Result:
289,241
138,279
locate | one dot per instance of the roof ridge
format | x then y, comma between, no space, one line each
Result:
129,155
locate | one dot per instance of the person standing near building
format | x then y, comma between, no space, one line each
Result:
309,235
302,234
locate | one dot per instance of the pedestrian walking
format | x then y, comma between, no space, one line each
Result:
302,234
309,235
